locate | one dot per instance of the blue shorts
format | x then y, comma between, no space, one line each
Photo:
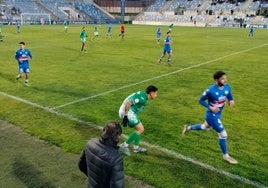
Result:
167,51
215,122
24,68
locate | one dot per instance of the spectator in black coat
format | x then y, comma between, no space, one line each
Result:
101,160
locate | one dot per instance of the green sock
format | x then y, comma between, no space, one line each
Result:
133,136
137,140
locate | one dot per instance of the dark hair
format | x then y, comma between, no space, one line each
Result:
111,132
22,43
150,89
218,74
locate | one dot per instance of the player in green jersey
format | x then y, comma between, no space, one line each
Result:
83,37
1,26
96,32
1,37
65,25
170,27
129,111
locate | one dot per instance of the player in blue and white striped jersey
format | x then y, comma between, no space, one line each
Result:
167,49
213,99
22,55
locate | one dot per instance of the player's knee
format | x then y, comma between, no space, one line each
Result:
222,135
205,127
140,128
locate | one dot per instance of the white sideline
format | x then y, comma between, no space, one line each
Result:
164,150
160,76
159,148
167,151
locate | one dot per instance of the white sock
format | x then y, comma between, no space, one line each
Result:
125,144
136,147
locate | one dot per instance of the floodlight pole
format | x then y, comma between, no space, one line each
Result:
123,5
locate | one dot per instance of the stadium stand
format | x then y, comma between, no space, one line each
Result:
95,13
58,10
223,13
53,6
203,13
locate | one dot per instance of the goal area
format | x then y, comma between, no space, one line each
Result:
35,18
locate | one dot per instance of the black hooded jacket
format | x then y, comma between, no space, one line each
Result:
103,164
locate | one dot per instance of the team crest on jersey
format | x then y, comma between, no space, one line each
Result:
136,100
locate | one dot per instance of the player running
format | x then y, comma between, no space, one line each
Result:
109,31
22,55
158,35
83,37
65,26
122,31
251,31
128,112
170,27
1,37
214,99
167,49
18,25
96,32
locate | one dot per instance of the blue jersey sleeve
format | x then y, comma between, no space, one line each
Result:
17,56
203,99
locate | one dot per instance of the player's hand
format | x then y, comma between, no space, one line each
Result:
125,121
214,109
231,103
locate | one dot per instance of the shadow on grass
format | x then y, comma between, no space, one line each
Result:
8,77
62,91
29,175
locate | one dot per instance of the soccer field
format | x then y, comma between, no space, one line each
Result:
71,95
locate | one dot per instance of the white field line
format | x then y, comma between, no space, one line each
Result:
159,148
167,151
160,76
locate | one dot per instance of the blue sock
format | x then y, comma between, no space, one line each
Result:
196,127
223,145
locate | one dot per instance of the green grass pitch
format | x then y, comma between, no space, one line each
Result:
70,91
